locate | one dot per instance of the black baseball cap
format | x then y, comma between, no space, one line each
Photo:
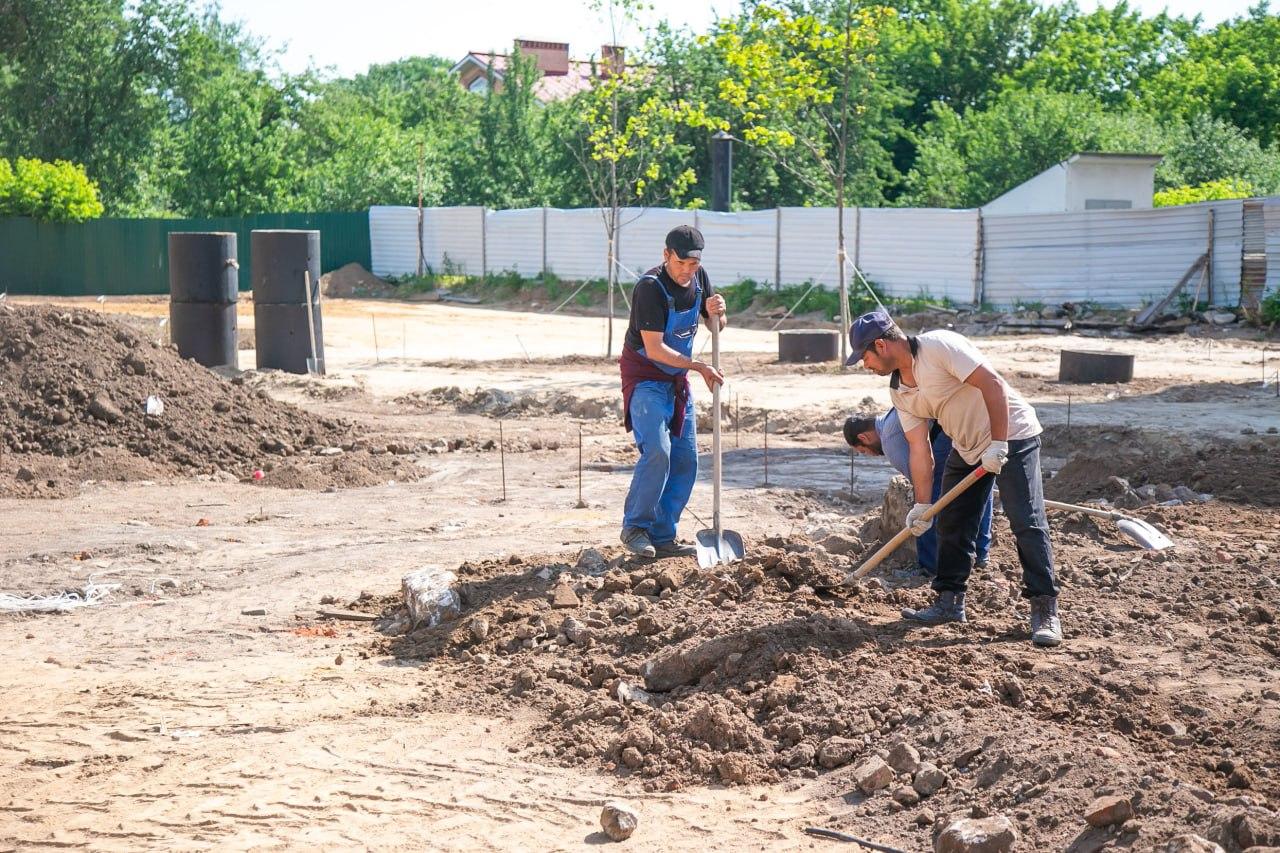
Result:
685,241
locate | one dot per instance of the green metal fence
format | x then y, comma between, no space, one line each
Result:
131,256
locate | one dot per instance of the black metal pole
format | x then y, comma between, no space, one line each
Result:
721,170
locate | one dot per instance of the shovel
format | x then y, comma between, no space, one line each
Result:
905,533
716,545
1135,528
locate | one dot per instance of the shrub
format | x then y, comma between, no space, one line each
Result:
57,191
1227,188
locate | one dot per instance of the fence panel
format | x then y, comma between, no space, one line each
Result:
917,251
808,250
1120,258
1271,220
739,245
643,237
131,256
1228,248
393,240
576,246
513,241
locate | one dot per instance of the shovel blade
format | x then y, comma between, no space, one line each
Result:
1144,534
712,551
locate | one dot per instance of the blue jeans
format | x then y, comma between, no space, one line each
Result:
668,465
927,545
1022,493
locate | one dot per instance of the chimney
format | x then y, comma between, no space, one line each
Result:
613,59
552,57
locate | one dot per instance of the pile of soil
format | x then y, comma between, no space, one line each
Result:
497,403
1163,694
73,391
354,280
1246,470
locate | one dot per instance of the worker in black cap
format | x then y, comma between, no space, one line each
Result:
667,305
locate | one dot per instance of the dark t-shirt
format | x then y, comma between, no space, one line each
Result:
649,304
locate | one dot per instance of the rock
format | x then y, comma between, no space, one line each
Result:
592,561
526,678
929,780
1240,778
25,474
734,768
838,543
563,597
671,577
904,758
968,835
1221,318
1189,843
801,755
629,694
578,633
837,752
898,500
906,795
648,586
103,409
1106,811
479,628
618,820
872,775
430,597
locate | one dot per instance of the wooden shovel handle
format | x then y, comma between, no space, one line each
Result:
893,544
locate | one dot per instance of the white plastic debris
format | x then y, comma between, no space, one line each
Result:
155,406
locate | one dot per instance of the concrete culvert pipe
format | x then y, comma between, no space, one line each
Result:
801,345
285,273
1092,366
204,277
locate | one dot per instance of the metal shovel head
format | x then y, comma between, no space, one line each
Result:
711,550
1144,534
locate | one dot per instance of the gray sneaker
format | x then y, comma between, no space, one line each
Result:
674,548
1046,629
637,542
948,607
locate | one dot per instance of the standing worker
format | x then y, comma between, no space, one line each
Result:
657,355
883,436
941,375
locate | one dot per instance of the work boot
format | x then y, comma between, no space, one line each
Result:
1046,629
637,542
674,548
948,607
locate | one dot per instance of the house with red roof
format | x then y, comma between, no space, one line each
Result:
560,77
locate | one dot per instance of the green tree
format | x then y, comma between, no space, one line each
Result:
1208,191
1210,150
806,89
56,192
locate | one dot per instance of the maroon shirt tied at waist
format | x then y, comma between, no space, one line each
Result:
637,368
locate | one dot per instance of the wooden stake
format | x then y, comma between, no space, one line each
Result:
377,358
1068,413
581,503
502,460
737,420
766,447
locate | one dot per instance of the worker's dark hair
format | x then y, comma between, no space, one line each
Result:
855,426
894,333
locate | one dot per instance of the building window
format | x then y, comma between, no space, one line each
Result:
480,85
1107,204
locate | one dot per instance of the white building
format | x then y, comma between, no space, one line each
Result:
1086,181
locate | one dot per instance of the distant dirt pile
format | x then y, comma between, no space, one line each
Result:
354,280
74,387
745,674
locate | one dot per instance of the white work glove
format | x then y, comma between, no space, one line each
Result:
994,457
917,525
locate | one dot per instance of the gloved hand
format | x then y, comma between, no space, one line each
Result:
994,457
917,525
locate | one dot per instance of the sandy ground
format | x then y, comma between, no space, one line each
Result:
169,718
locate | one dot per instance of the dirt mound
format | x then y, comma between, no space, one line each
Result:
497,403
74,392
745,674
353,280
1242,471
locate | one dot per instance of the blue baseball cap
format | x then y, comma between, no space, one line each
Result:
865,331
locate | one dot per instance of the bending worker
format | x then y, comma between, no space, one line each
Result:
940,375
883,436
657,355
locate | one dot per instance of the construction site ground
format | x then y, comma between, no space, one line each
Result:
206,703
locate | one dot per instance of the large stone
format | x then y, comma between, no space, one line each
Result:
904,758
898,500
839,543
929,780
1189,843
618,820
1107,811
430,597
592,561
102,408
563,597
872,775
837,752
987,835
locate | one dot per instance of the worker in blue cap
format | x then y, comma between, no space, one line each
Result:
941,376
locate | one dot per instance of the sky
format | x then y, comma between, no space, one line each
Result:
345,37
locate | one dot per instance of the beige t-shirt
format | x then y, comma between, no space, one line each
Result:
943,361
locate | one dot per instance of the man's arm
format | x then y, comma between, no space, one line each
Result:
985,380
657,350
921,456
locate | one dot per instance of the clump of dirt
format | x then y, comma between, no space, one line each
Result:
353,280
1246,470
74,392
495,402
1163,693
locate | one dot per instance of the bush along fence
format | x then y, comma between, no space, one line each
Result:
1119,258
131,256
